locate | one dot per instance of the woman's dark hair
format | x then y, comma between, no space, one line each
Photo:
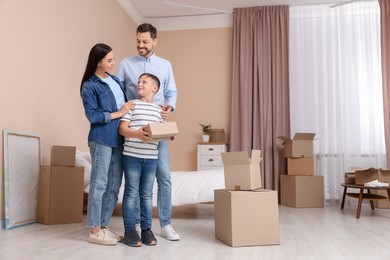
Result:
97,53
147,27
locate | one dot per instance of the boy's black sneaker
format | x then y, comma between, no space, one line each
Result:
131,238
148,237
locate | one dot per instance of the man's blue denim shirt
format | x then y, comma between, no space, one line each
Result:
99,102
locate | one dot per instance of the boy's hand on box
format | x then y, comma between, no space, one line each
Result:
144,136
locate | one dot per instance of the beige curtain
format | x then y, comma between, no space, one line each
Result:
385,49
260,86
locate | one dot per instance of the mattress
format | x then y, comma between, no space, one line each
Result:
188,187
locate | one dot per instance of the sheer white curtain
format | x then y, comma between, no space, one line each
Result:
336,87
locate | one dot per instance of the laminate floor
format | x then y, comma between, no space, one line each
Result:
315,233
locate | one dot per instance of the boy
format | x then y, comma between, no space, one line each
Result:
140,162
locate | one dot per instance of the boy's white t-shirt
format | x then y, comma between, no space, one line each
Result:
142,115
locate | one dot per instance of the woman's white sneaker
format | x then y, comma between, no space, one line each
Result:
102,238
119,238
169,233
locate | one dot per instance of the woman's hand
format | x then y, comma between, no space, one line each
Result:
126,107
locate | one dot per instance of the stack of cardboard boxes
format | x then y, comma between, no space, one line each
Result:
245,215
61,186
300,188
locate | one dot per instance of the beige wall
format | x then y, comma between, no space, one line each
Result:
202,61
44,48
45,44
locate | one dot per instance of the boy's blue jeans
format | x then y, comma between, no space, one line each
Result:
139,180
164,185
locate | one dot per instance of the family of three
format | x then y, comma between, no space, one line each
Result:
118,108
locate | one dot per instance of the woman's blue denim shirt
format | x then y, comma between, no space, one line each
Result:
99,102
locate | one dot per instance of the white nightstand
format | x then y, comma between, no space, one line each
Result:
209,155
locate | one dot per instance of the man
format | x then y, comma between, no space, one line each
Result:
129,71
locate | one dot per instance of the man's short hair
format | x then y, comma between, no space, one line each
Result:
147,27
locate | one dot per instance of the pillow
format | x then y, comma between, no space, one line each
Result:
84,159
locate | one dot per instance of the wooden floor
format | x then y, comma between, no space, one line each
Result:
325,233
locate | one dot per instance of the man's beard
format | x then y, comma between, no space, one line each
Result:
145,52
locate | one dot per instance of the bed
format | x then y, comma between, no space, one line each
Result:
188,187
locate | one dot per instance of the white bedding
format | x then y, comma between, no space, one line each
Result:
188,187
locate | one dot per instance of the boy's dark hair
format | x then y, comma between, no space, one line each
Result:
153,77
147,27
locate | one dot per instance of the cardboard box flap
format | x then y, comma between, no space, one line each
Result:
385,171
235,158
350,174
298,136
371,169
384,175
366,175
256,157
283,138
354,168
304,136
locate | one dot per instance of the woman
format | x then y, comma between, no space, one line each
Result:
103,95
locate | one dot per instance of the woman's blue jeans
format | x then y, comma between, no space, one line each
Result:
106,179
139,180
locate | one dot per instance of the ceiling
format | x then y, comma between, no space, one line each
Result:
196,14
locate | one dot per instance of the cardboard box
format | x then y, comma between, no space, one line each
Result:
240,172
161,131
384,175
217,135
366,175
363,176
247,218
300,146
300,166
349,178
302,191
63,156
381,204
60,195
376,174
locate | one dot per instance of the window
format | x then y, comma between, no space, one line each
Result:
336,87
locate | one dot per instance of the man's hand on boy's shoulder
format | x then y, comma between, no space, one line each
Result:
166,111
